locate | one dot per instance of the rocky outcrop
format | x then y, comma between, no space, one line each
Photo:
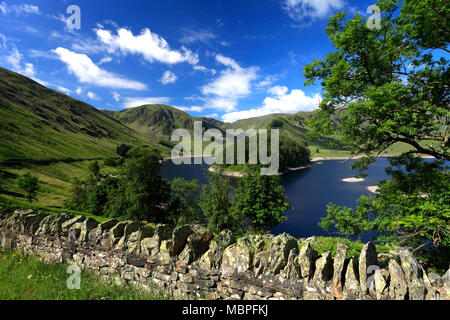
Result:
194,265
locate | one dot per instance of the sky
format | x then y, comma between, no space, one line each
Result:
223,59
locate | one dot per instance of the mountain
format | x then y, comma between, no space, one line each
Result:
160,120
40,124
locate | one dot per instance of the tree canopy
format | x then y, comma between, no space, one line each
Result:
388,85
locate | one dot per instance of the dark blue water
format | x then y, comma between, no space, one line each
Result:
309,191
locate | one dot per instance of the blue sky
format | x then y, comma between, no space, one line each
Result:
223,59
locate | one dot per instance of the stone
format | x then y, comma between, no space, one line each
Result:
306,260
238,258
97,234
324,271
367,259
69,223
79,231
179,238
446,278
381,279
338,270
279,250
212,259
398,287
52,224
197,245
351,286
292,269
30,222
413,275
436,280
431,292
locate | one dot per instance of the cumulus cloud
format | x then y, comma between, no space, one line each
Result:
92,96
280,102
87,72
278,91
190,109
116,96
168,77
232,84
148,44
140,101
314,9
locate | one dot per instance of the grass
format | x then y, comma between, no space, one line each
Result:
27,278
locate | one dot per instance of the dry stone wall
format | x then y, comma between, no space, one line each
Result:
191,264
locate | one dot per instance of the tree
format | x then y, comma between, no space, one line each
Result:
146,193
215,202
94,168
184,205
29,184
261,199
412,209
387,86
123,149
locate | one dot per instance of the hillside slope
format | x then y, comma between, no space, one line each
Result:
39,123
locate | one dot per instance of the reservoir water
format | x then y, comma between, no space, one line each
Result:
309,191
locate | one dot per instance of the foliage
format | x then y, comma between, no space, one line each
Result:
260,199
94,169
389,85
29,184
122,150
112,162
184,207
27,278
412,209
145,193
215,202
292,153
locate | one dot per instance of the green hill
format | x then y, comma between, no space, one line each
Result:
40,124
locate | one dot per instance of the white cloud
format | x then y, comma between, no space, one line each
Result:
168,77
204,69
191,36
105,60
87,72
150,45
300,9
292,102
19,9
232,84
15,60
278,91
64,90
140,101
116,96
79,90
92,96
190,109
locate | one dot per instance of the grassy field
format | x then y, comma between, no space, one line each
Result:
27,278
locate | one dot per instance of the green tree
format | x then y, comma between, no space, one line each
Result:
412,209
215,202
260,199
146,193
94,168
29,184
184,205
78,196
383,87
387,86
123,149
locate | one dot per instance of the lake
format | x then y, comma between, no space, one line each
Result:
309,191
